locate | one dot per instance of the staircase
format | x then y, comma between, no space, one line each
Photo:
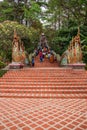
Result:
44,83
45,63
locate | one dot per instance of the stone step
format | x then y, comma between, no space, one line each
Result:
42,95
46,71
43,90
42,80
45,75
39,73
43,83
52,69
43,86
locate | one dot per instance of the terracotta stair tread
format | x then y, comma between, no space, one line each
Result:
42,95
45,80
44,89
45,86
29,76
34,91
43,83
48,70
42,80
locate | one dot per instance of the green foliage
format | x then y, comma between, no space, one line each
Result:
2,64
32,13
2,72
86,67
84,42
20,11
63,18
6,36
62,13
6,11
28,35
31,49
62,39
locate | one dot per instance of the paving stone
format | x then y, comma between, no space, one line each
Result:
43,97
59,106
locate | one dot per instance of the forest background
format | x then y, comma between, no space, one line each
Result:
58,19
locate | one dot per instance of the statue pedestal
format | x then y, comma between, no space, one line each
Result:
15,65
75,66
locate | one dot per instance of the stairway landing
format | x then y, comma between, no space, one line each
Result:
43,114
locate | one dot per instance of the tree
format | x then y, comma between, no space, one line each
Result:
20,11
29,37
31,13
61,12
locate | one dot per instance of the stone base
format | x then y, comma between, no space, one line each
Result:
16,65
75,66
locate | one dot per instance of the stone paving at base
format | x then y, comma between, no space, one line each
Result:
43,114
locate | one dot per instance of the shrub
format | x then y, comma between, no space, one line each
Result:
28,35
2,64
2,72
86,67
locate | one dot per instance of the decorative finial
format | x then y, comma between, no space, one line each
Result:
15,33
78,31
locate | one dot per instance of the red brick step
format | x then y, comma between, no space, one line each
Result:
44,83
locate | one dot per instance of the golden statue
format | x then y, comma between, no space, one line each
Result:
78,47
75,49
74,53
18,54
